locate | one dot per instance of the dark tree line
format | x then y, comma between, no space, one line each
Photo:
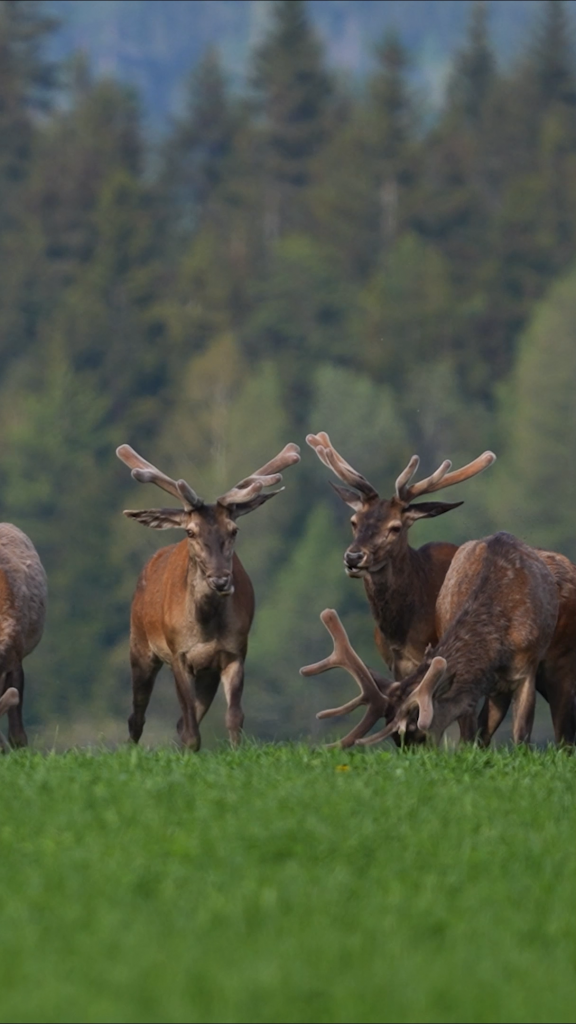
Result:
297,256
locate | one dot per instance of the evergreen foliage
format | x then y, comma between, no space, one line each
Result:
302,256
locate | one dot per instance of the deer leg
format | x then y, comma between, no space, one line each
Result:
144,672
188,725
492,715
560,693
16,733
468,724
205,688
233,684
523,708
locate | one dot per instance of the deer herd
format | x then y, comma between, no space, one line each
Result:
466,632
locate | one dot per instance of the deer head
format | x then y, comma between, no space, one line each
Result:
211,528
380,525
406,706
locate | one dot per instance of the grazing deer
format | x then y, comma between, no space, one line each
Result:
402,583
23,592
556,679
497,612
194,601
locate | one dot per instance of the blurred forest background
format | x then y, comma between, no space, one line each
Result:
287,235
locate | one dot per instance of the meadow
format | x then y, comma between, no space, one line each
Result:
281,883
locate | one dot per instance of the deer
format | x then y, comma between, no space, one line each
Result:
194,601
23,596
401,583
497,613
556,679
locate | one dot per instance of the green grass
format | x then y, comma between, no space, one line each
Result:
273,886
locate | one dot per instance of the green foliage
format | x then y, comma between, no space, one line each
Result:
293,91
535,490
406,310
282,884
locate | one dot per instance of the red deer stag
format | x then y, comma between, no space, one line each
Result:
402,583
497,612
194,601
23,592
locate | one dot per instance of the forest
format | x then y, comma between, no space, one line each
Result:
295,256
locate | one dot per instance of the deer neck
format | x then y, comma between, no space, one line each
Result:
395,594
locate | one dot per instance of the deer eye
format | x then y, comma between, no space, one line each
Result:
233,531
394,527
354,522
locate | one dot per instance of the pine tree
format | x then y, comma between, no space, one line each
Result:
534,490
393,126
474,72
197,155
292,92
27,79
552,57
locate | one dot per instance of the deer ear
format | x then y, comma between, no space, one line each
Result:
242,508
350,497
160,518
428,509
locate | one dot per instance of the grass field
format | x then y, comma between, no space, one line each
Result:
284,884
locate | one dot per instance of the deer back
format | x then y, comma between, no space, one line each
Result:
497,613
23,591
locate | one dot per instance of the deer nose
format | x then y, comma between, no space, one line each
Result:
220,583
353,559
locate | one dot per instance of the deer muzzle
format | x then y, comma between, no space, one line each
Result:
354,562
221,584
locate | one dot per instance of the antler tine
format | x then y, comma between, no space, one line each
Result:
315,442
344,656
266,476
442,478
145,473
289,455
406,476
420,697
343,470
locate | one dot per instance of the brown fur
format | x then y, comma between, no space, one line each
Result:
401,583
23,593
556,678
194,602
497,612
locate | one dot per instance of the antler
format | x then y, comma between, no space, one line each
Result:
421,698
440,478
9,699
344,656
344,471
146,473
267,475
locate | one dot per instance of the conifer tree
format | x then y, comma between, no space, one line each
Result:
474,71
26,82
393,123
552,56
198,152
292,91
